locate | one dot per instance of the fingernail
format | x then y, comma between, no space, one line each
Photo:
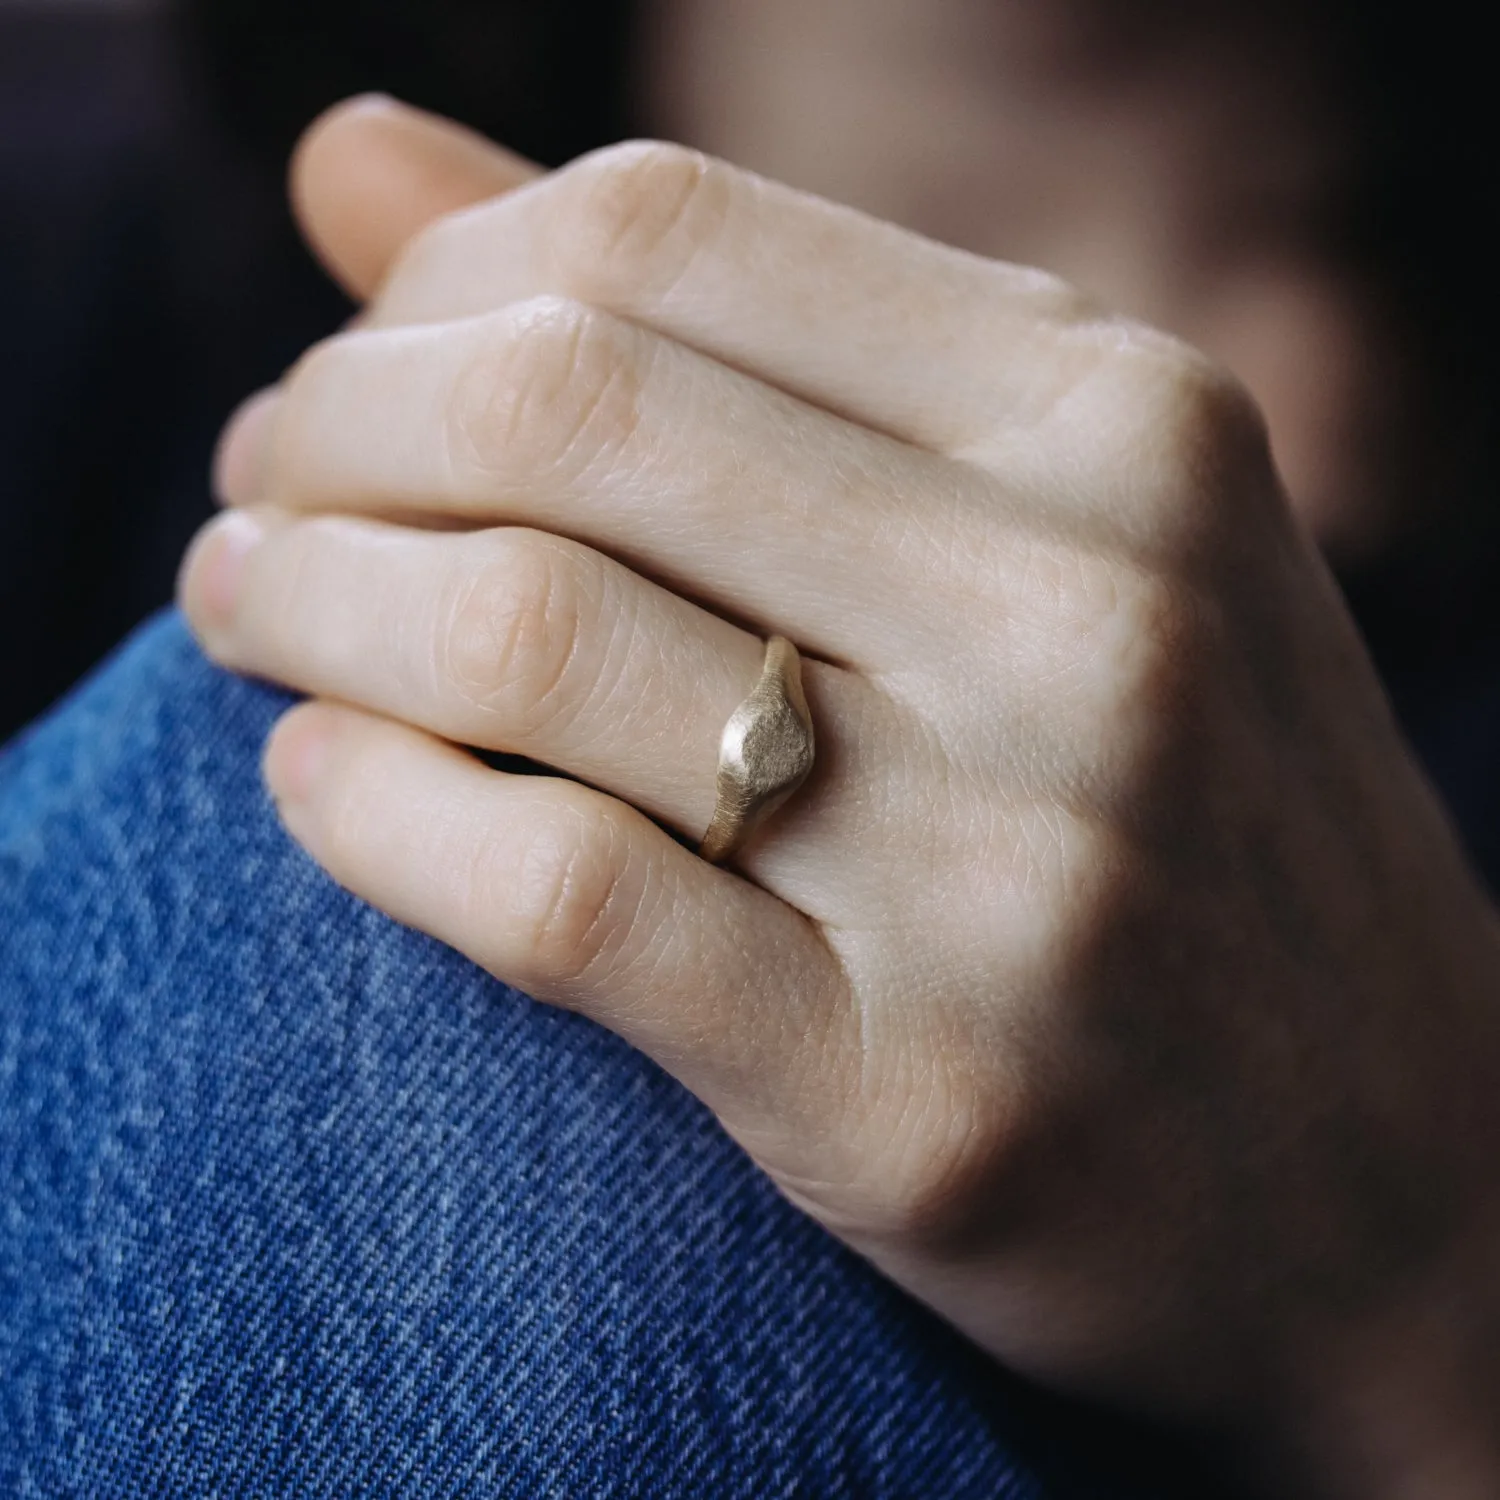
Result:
216,567
240,459
297,752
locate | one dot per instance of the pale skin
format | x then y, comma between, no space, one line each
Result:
1115,985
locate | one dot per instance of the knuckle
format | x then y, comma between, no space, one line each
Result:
575,895
637,216
1199,423
1116,635
1144,649
1109,641
1072,607
1198,404
512,629
1176,450
552,389
954,1161
1153,701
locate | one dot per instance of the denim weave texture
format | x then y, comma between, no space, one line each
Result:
299,1202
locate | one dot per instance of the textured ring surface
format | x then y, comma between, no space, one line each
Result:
765,754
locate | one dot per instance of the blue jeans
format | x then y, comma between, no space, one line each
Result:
296,1201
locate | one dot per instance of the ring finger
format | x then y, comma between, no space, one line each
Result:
509,639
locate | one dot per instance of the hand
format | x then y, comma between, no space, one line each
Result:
1114,985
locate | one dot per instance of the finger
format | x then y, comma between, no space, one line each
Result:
580,901
242,446
371,173
509,640
551,414
928,343
366,177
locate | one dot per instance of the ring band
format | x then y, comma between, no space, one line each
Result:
765,754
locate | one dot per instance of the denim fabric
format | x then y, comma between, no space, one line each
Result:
296,1201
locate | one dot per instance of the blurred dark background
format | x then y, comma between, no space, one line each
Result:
150,278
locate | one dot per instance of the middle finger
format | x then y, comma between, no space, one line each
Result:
555,415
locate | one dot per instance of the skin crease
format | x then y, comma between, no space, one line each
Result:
1134,1007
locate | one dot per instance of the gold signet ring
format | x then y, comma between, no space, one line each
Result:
765,754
